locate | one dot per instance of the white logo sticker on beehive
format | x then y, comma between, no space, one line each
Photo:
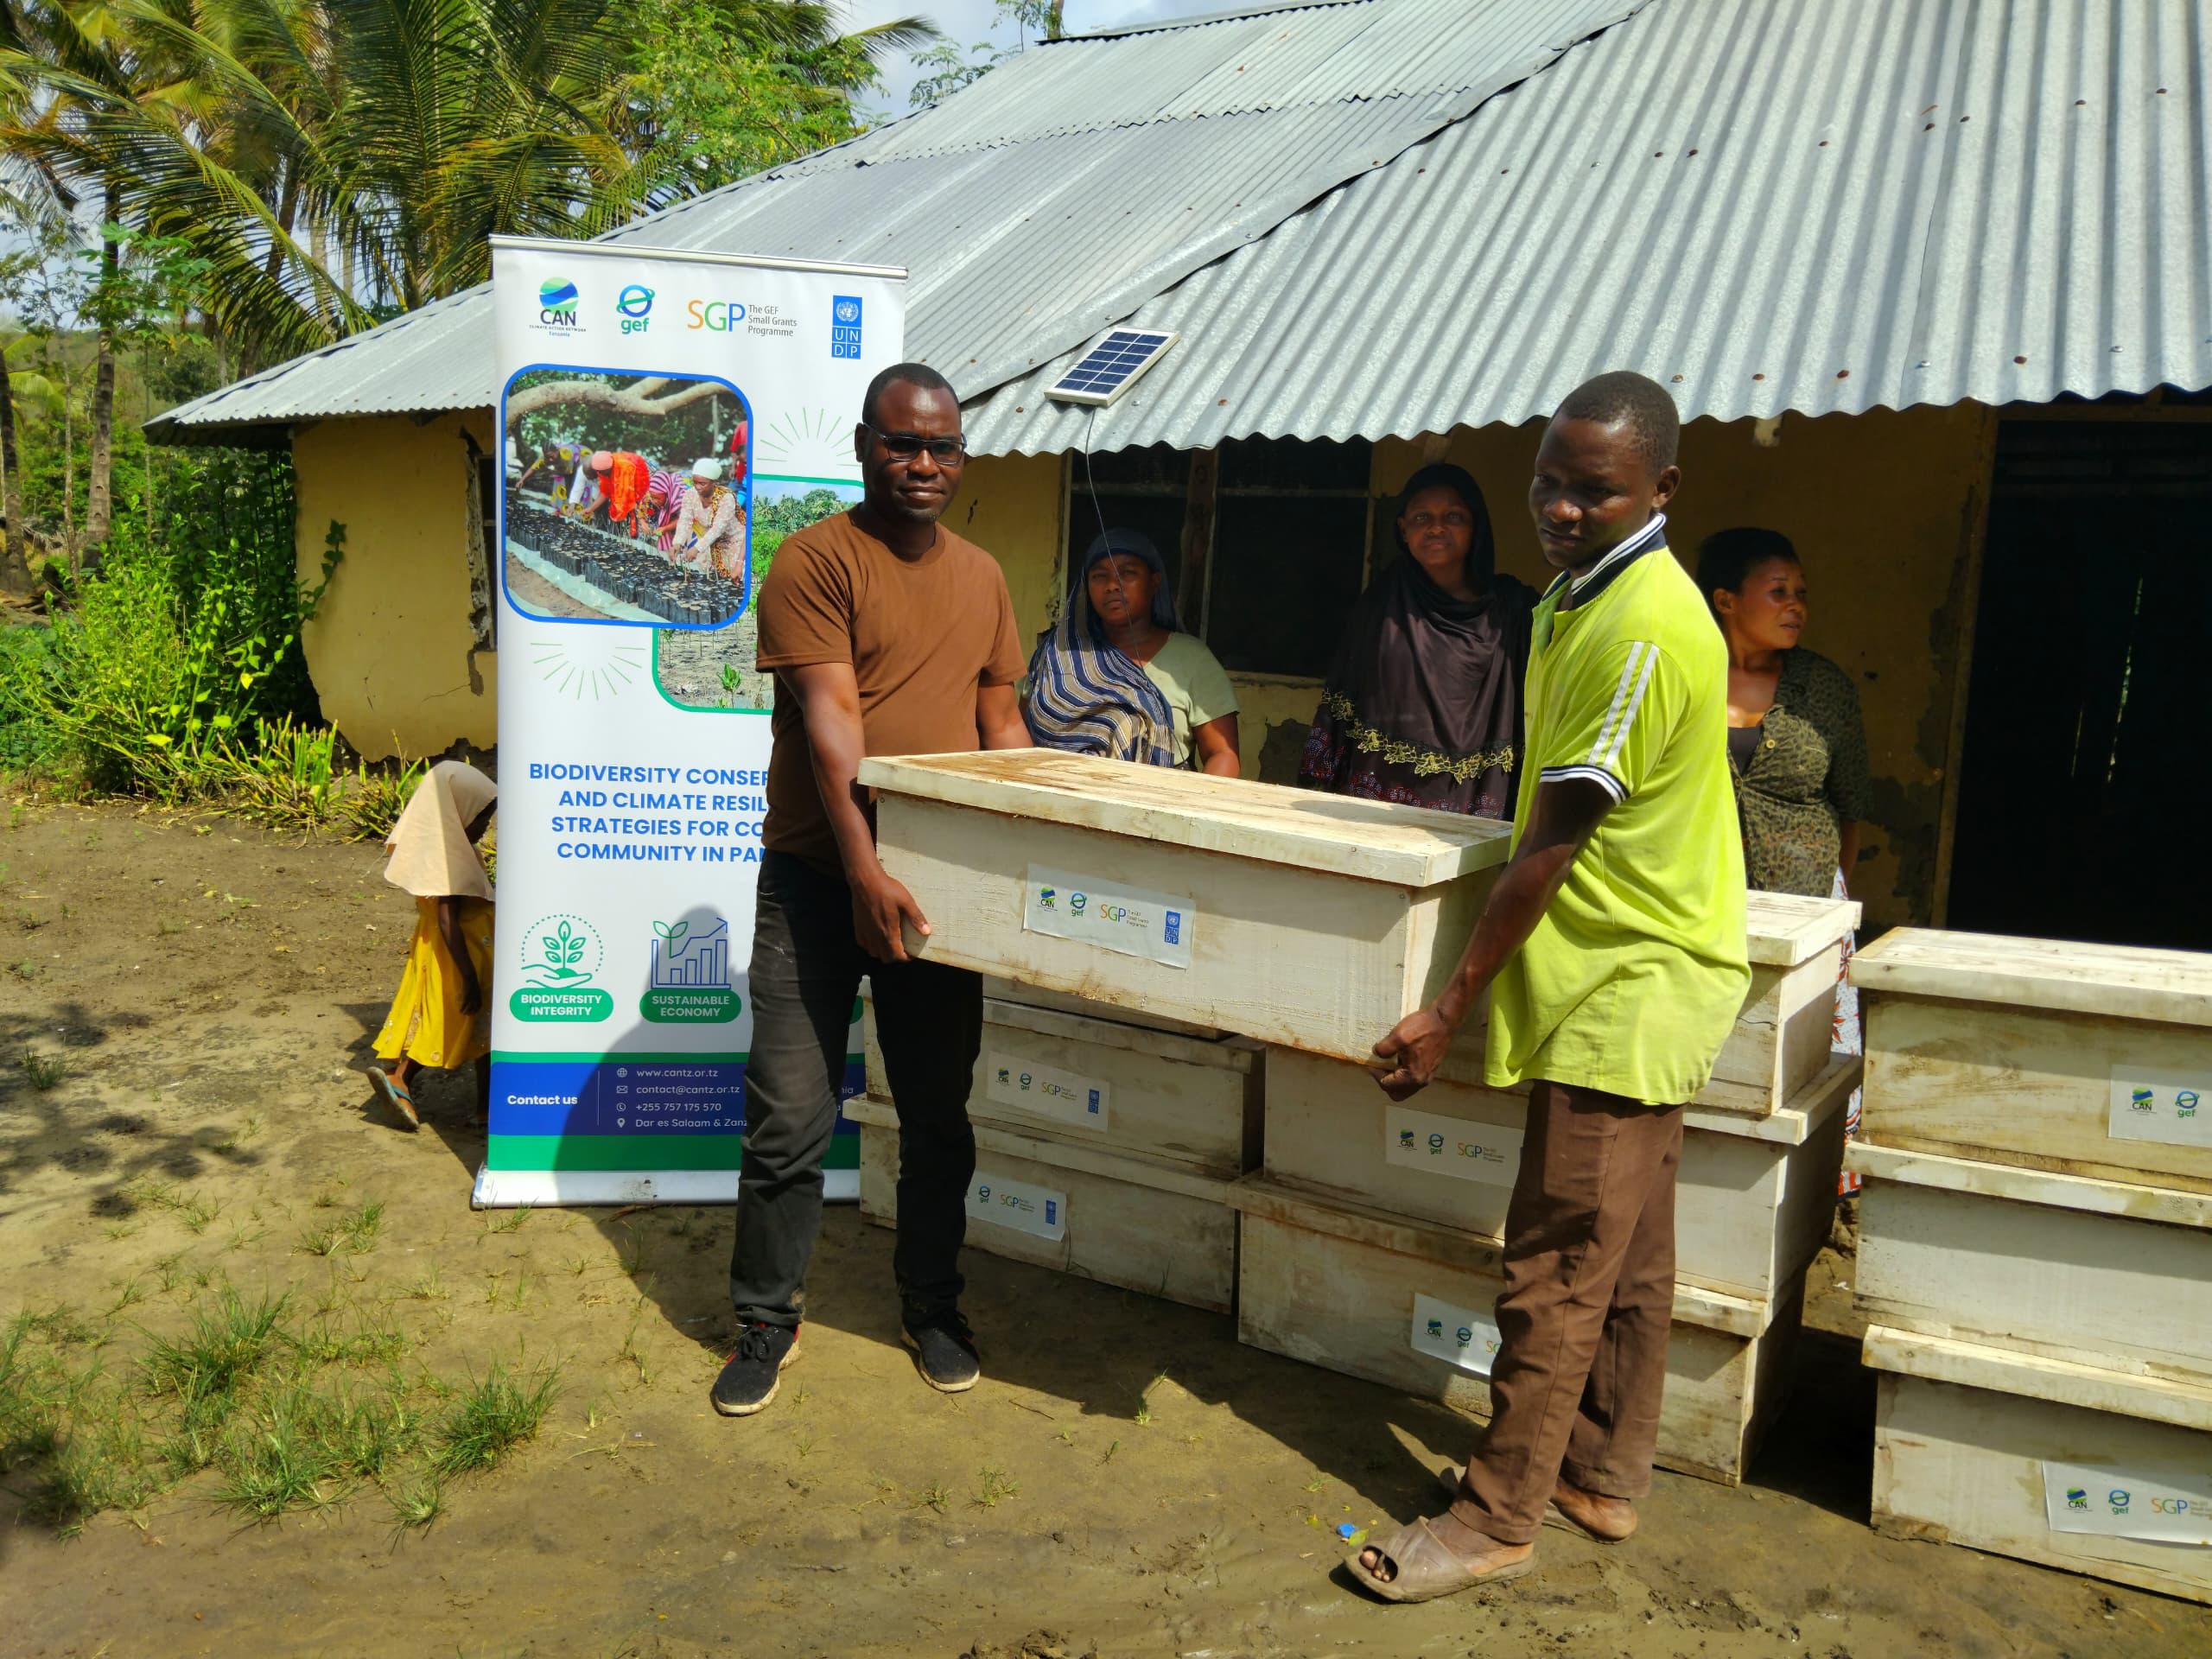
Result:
1450,1146
2172,1106
1455,1335
1021,1206
2169,1507
1157,926
1047,1091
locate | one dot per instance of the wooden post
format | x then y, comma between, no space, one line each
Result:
1191,589
1966,604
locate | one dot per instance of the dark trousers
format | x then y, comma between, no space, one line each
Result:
806,970
1588,1304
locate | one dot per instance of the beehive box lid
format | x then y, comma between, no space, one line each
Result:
1373,841
2089,1383
1783,930
2125,981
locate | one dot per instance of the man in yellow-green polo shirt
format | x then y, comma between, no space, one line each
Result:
1613,948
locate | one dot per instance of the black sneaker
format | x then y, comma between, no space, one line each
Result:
749,1381
945,1351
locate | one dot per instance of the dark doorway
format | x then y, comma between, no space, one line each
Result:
2085,790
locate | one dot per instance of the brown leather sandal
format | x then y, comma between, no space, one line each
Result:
1425,1568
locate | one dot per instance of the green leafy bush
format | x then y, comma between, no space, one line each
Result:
179,654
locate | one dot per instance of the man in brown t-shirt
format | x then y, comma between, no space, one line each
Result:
888,634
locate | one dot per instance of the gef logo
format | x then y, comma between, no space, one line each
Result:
845,326
635,306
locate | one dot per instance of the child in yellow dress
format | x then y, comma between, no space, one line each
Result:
440,1017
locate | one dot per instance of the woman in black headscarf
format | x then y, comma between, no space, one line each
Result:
1423,704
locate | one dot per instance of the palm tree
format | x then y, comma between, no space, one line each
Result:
333,161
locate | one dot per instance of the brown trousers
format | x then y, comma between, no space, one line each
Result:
1589,1298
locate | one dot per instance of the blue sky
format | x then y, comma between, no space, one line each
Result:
970,21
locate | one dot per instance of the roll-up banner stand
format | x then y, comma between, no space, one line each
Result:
633,724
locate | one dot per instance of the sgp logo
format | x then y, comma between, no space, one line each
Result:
635,306
716,316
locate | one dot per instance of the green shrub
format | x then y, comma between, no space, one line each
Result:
165,658
374,800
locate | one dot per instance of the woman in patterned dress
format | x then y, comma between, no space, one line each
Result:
1796,744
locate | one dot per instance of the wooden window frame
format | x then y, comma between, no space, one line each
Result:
1202,493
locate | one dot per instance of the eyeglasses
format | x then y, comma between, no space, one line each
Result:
904,446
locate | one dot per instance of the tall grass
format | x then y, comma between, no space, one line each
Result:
256,1404
492,1417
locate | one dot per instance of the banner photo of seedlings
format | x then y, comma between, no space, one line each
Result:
668,419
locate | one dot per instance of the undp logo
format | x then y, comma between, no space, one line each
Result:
845,326
635,305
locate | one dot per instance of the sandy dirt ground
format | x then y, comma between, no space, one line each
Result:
541,598
1127,1479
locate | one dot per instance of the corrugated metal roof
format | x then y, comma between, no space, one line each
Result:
1130,161
1769,207
1770,204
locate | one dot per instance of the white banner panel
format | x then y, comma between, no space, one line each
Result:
633,724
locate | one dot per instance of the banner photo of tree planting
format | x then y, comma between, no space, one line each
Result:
668,418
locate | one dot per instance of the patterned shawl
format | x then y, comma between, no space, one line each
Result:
1085,695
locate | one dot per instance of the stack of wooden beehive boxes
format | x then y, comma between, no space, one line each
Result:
1104,1148
2035,1253
1373,1233
1310,925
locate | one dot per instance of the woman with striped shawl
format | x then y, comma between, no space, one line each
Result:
664,499
1116,678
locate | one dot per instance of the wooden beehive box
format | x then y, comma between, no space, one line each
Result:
1312,921
2087,1059
1782,1035
2109,1274
2070,1465
1115,1088
1757,1194
1407,1304
1134,1223
1306,921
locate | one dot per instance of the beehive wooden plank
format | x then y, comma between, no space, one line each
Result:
1754,1208
1784,931
1141,1226
2026,1184
2043,1263
2087,1094
1037,996
1461,1249
1372,841
1129,1089
2049,1463
2121,981
1339,1296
